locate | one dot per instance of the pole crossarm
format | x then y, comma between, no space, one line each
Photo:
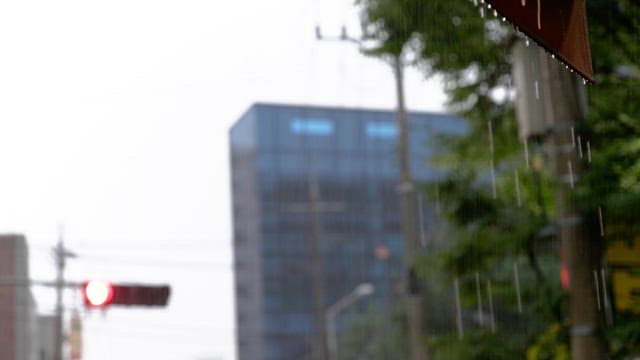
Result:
6,281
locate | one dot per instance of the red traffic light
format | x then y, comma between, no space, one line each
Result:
97,293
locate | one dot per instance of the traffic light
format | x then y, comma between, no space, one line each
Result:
97,293
100,294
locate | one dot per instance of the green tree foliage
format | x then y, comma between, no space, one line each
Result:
488,234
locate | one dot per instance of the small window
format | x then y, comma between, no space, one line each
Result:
321,127
381,130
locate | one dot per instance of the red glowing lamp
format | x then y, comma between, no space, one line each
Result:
97,293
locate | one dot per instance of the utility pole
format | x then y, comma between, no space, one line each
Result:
317,269
60,254
565,106
315,207
556,107
406,189
413,298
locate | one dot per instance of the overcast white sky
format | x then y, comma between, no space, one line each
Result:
114,118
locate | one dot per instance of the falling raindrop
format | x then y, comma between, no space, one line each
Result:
423,237
438,208
589,151
495,13
516,280
479,298
482,12
527,42
571,180
600,221
605,299
573,137
491,315
490,126
537,90
596,285
539,22
519,199
580,146
526,152
493,180
456,289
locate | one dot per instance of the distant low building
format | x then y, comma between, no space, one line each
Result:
46,337
279,153
18,327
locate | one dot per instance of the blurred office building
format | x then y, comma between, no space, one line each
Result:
301,173
18,316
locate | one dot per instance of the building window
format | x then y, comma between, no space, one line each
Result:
381,130
321,127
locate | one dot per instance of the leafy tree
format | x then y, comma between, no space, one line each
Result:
489,233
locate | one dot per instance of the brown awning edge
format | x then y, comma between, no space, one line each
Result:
560,26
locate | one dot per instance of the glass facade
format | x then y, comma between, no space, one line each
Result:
351,155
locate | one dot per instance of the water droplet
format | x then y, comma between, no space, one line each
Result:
526,152
495,13
571,179
600,220
527,42
518,196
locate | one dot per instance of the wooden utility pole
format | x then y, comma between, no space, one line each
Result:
317,269
565,106
315,207
60,253
551,100
413,300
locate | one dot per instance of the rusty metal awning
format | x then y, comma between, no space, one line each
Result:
560,26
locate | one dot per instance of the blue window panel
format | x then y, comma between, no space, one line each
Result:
381,130
311,126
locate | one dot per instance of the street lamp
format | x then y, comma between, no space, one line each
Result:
362,290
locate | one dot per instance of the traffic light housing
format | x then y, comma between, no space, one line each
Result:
100,294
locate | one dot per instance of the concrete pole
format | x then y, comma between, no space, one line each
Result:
317,269
417,349
59,332
565,106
